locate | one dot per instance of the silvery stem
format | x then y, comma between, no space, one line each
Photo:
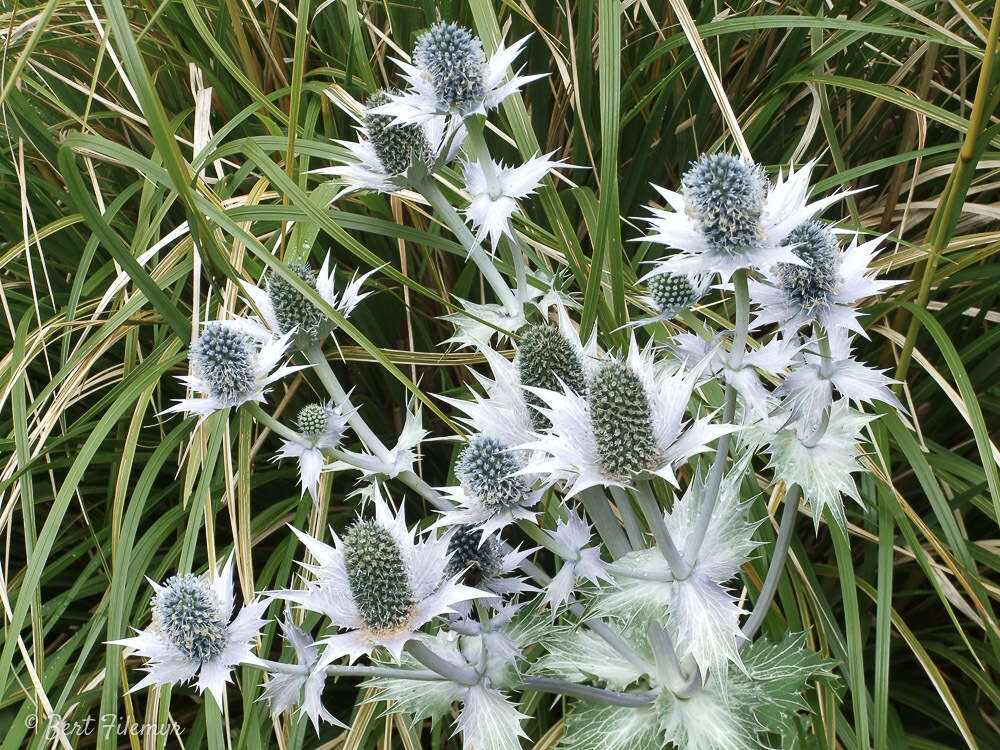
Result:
429,189
341,670
274,425
597,695
680,568
629,520
666,656
463,674
318,359
777,564
599,510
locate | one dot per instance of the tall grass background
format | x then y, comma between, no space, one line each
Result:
153,152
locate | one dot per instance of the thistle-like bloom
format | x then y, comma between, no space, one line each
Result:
284,310
451,76
321,426
821,466
808,389
304,688
728,216
580,560
481,562
547,357
379,585
492,491
493,204
700,612
772,358
629,423
385,152
826,289
194,633
670,294
231,363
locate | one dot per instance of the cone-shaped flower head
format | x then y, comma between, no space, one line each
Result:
321,426
396,146
629,422
379,585
547,359
194,634
478,560
725,197
810,285
292,310
453,58
622,421
377,576
232,362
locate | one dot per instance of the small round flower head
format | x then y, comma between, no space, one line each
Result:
223,357
672,292
396,146
547,359
629,422
231,362
621,420
729,216
194,633
378,585
488,470
725,197
453,58
189,615
479,560
291,309
321,427
812,285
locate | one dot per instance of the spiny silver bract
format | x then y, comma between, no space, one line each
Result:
453,57
621,420
377,576
725,196
544,358
291,308
672,292
396,146
816,245
481,562
223,357
312,420
187,613
486,468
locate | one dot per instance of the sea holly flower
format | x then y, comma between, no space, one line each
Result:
481,561
284,690
808,389
546,356
397,459
492,492
321,427
572,536
194,633
772,358
701,614
379,584
284,310
231,363
629,423
385,153
729,216
824,290
820,458
450,75
494,201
